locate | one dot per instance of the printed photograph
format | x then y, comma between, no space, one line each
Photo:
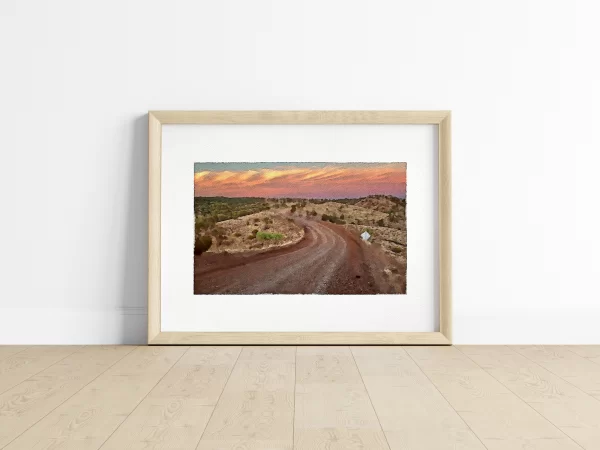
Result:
300,228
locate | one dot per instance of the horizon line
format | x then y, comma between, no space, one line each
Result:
303,198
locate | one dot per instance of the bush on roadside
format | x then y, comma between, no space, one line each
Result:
202,244
263,236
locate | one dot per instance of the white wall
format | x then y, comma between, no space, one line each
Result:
521,77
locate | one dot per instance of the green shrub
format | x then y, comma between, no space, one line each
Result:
255,231
396,249
237,234
202,244
380,222
313,213
250,237
325,217
268,236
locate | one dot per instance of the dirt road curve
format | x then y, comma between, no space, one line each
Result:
329,260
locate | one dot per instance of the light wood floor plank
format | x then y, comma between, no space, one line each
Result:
88,418
25,404
578,371
7,350
256,409
19,366
576,413
413,413
498,417
176,411
333,409
591,352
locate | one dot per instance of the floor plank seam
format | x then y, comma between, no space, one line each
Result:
16,353
144,398
525,402
552,372
45,368
566,347
369,397
445,399
67,399
219,398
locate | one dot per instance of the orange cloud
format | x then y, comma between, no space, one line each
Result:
334,181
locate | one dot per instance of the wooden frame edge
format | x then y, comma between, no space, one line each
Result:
445,224
299,338
158,118
154,244
300,117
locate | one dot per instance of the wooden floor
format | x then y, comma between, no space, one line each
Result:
317,398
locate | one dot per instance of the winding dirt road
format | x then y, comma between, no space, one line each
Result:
329,260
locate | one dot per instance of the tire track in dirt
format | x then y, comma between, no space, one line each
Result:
328,261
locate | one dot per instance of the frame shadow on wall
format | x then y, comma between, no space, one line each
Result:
134,293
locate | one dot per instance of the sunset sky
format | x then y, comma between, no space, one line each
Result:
304,180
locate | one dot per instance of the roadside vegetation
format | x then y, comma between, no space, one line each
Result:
218,209
269,236
229,225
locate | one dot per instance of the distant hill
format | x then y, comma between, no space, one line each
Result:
382,203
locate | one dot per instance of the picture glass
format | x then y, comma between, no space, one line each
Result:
300,228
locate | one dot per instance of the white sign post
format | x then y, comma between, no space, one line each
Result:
365,236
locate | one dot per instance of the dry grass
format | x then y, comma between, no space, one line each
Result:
376,204
240,234
351,213
392,241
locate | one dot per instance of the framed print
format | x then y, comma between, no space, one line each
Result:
299,227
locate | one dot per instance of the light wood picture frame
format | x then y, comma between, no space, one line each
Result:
156,120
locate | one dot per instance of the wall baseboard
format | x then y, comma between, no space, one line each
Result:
73,326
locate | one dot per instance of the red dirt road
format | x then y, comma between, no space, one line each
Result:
329,260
